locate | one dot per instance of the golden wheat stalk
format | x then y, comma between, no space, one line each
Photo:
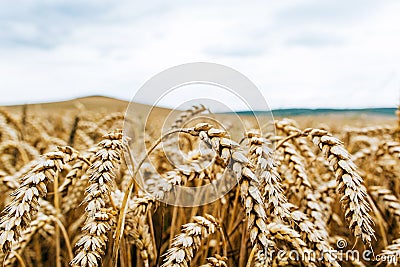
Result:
324,194
299,184
78,170
310,223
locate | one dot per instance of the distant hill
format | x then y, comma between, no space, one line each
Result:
90,103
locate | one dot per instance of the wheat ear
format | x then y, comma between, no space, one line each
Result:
90,247
315,237
370,130
392,252
265,169
189,241
389,148
17,216
282,232
73,187
10,119
350,188
42,221
7,132
288,127
387,200
9,180
186,115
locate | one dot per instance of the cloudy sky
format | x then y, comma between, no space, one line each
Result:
307,53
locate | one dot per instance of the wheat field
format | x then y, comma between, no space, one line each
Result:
312,193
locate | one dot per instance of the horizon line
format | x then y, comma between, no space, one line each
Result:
271,109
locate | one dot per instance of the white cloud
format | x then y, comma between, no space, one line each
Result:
300,53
